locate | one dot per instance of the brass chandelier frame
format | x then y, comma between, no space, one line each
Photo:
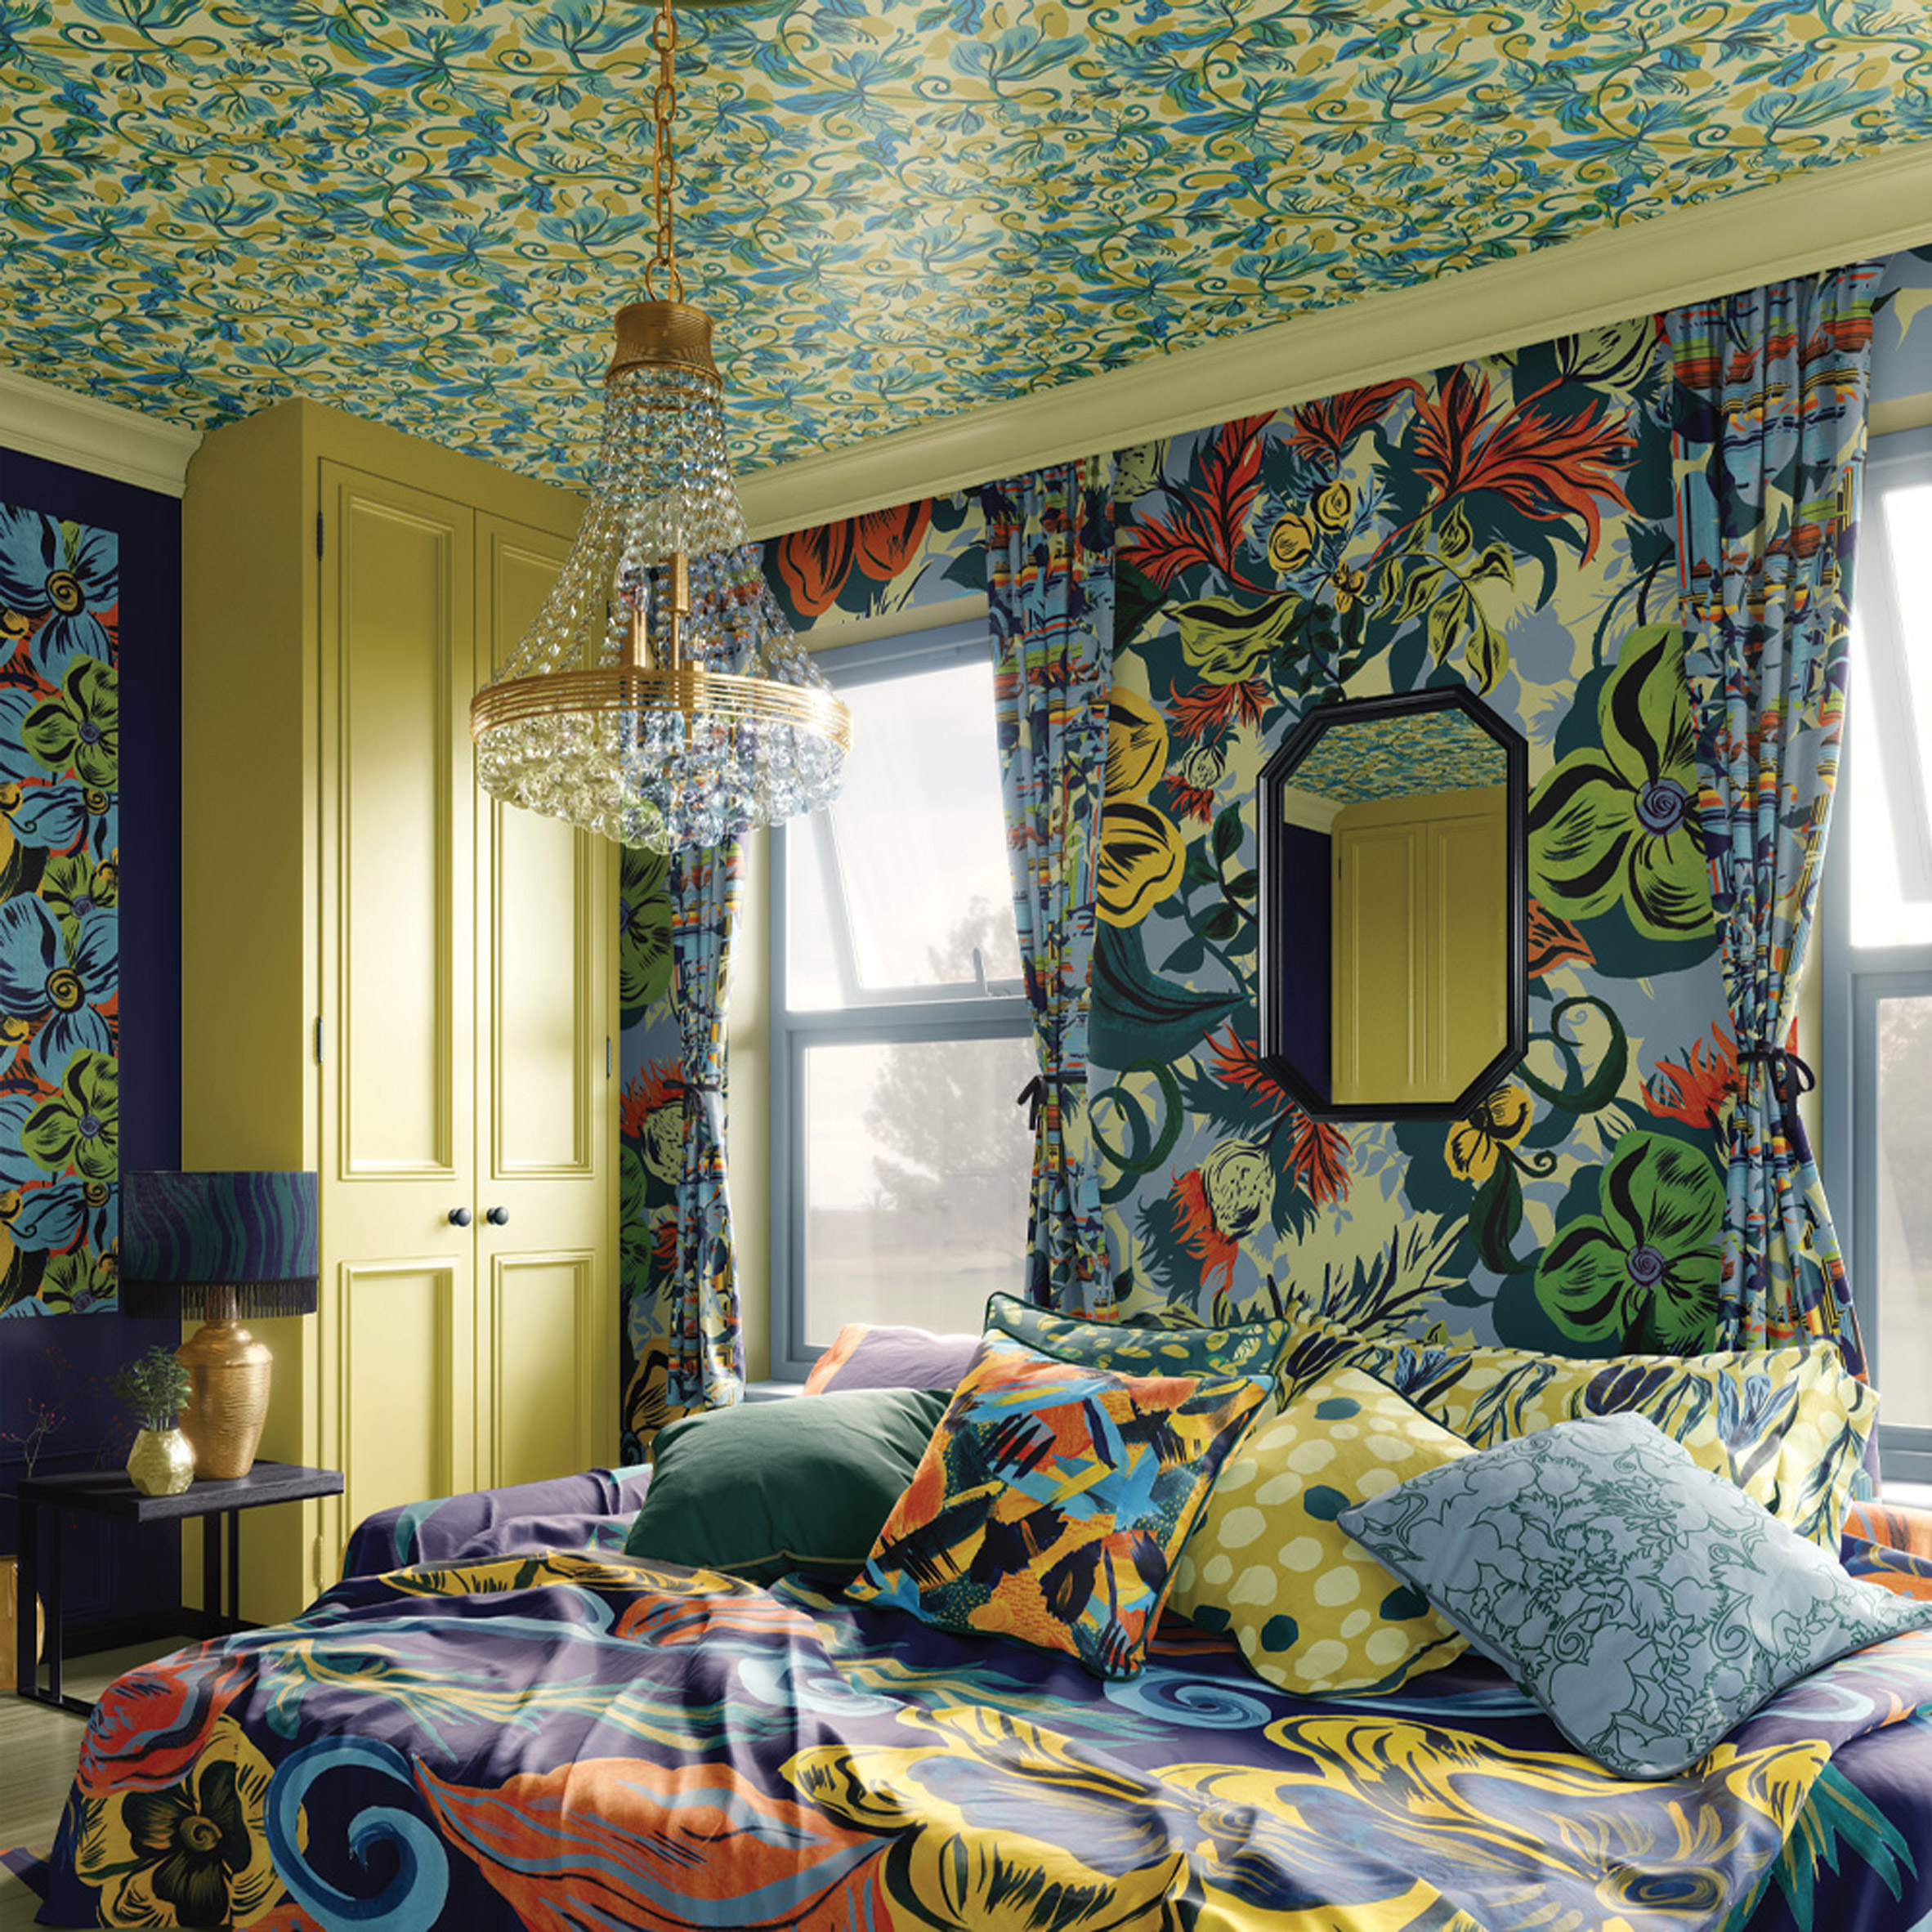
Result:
662,331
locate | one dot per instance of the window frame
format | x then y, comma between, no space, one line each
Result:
1855,978
988,1010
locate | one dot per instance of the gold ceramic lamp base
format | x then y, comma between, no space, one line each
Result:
228,1378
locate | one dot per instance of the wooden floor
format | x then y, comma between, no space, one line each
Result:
38,1748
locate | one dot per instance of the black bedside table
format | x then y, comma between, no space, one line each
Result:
109,1493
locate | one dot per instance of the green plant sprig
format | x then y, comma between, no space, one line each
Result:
154,1386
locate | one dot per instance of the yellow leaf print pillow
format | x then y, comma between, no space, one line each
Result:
1312,1610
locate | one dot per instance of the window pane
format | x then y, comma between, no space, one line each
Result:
917,1165
890,890
1890,827
1904,1255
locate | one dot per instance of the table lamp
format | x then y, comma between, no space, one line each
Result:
229,1248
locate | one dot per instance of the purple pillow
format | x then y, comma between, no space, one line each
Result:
870,1355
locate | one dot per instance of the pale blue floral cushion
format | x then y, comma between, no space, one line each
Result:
1647,1605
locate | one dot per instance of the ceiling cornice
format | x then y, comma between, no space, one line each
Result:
38,420
1809,221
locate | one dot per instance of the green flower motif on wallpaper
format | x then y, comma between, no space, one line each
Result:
79,1127
644,931
72,885
1642,1271
1618,826
78,1282
80,730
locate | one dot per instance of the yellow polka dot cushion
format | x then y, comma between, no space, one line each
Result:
1051,1501
1269,1564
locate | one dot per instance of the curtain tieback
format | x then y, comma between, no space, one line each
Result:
1036,1093
1791,1075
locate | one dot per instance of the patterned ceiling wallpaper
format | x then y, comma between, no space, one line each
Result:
1357,761
895,210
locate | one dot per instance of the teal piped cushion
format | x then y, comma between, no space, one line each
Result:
1647,1604
764,1488
1130,1349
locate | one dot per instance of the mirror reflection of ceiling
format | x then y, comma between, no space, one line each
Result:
1358,760
894,211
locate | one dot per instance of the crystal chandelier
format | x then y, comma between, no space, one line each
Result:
660,697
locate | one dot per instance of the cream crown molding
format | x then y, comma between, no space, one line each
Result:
1796,226
38,419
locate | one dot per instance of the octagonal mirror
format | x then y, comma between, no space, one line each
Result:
1393,915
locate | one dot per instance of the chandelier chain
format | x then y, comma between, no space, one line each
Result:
664,108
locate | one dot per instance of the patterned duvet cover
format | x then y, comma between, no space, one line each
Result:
575,1740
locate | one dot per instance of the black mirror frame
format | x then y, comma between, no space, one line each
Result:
1271,993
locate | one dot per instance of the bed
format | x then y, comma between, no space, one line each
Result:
499,1718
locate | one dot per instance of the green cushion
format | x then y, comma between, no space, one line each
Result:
763,1488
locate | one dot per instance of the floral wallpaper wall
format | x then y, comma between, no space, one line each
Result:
59,954
1505,525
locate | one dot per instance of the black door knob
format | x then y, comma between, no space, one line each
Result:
498,1217
459,1217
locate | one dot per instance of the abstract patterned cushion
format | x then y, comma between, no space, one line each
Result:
1788,1426
1647,1605
1136,1350
875,1355
1312,1610
1052,1500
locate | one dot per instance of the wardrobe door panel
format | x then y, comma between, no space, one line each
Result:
396,668
545,1125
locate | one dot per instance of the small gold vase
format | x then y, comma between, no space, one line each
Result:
161,1462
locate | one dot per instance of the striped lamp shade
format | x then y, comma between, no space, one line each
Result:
184,1237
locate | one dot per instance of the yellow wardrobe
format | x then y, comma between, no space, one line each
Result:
388,976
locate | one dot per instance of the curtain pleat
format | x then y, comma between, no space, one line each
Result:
704,1336
1050,588
1769,445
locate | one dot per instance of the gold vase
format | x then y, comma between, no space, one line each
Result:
161,1462
228,1380
9,1612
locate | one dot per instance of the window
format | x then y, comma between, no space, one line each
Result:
1878,952
900,1162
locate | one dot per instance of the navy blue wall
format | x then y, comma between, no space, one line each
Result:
1306,1034
115,1574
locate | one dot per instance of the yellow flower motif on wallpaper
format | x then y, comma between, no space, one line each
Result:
1335,505
1291,541
1136,745
1348,587
194,1852
1498,1120
1142,852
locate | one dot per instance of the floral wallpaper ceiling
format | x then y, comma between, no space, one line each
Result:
895,210
1359,760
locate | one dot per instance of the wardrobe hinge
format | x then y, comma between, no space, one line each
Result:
318,533
317,1039
607,1060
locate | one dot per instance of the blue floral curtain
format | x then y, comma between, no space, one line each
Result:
1050,585
704,1338
1769,445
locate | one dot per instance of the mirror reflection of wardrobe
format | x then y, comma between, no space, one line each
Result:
1394,916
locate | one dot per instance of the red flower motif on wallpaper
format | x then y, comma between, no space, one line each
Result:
1549,468
814,564
1554,942
1696,1090
1209,522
